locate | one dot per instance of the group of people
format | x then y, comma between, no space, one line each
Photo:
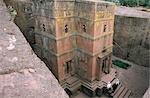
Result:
111,87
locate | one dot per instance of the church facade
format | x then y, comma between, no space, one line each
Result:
74,38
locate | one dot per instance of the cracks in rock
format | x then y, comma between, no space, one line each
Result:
21,71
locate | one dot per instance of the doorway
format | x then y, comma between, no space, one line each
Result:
105,66
68,68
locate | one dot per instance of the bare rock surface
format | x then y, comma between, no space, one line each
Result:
132,12
22,73
147,94
131,35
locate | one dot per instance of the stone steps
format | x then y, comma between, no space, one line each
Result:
121,92
127,95
101,85
116,90
72,80
75,87
92,86
72,83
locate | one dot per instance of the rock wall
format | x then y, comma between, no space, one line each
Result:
22,73
132,38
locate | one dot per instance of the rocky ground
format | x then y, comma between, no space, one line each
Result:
22,73
136,78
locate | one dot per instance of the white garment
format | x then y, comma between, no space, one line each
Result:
117,81
109,85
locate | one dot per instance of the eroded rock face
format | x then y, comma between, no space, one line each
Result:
132,36
22,73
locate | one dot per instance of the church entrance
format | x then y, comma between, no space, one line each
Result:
68,68
103,66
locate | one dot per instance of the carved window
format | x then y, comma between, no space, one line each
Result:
106,6
32,35
45,42
68,66
104,42
84,28
105,27
33,42
51,45
26,10
41,1
66,28
103,66
78,13
43,26
67,13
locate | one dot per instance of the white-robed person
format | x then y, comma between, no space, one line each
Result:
117,82
109,86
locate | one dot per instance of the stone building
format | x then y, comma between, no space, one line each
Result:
73,37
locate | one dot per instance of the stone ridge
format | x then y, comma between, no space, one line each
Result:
22,73
131,12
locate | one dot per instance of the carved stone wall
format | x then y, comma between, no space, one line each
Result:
132,39
65,30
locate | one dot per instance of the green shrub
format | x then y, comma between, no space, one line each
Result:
121,64
131,3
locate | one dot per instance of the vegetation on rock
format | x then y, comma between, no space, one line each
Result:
132,3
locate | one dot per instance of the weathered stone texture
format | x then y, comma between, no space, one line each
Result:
70,36
22,73
147,93
132,39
